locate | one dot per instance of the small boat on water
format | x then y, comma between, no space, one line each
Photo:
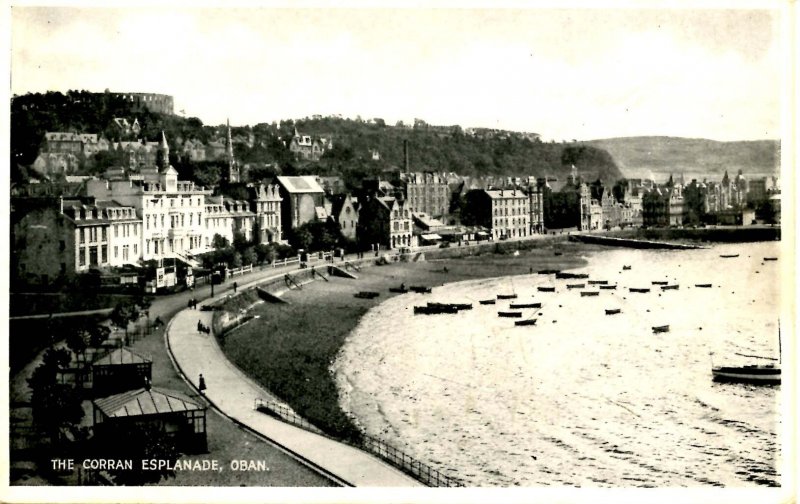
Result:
576,286
703,286
635,289
546,289
660,282
626,267
589,293
558,253
549,272
754,373
598,282
661,328
525,322
509,314
401,290
434,310
421,289
568,275
487,301
770,258
608,287
728,256
525,305
506,296
613,311
670,287
366,295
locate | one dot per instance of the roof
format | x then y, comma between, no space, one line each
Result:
302,184
431,236
141,402
321,213
506,193
122,356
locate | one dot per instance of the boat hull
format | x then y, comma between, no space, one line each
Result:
755,375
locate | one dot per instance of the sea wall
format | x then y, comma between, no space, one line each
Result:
733,234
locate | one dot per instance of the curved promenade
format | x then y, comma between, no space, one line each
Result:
234,394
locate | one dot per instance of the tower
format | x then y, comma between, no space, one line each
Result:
233,165
162,154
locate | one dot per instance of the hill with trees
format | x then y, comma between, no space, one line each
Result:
264,146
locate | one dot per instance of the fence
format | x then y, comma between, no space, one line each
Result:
419,470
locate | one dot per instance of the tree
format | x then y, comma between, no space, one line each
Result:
55,405
249,256
301,237
219,242
141,442
121,315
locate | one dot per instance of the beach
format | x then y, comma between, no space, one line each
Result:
290,347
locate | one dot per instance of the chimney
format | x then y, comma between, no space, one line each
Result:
405,156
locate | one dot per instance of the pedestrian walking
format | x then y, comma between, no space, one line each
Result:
235,285
199,326
189,305
201,384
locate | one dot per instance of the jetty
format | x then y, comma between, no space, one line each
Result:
630,242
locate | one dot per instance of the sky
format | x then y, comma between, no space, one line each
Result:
565,74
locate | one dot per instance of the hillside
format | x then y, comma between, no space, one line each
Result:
695,158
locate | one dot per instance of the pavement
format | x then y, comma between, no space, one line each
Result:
234,394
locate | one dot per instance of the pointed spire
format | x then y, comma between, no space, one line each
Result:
162,153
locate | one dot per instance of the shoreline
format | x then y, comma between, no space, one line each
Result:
289,350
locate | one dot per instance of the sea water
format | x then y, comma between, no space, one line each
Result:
582,398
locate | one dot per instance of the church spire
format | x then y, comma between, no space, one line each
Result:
233,166
162,154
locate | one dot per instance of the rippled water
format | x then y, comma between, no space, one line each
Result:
582,398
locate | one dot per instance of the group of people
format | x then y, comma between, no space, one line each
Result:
202,328
192,304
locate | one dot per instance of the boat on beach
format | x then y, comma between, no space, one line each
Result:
525,305
546,289
670,287
487,301
661,328
568,275
399,290
509,314
421,289
434,310
770,258
753,373
576,286
589,293
659,282
728,256
613,311
608,287
457,306
636,289
549,272
598,282
626,267
506,296
703,286
525,322
366,295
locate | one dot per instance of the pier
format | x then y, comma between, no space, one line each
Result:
631,243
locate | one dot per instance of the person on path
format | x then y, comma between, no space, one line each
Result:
235,285
199,326
189,305
201,384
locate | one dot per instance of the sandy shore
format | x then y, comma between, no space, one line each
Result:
290,348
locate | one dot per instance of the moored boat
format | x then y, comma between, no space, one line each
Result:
770,258
366,295
598,282
589,293
525,305
626,267
549,272
487,301
755,374
659,282
509,314
661,328
401,290
608,287
525,322
506,296
576,286
448,306
434,310
421,289
728,256
670,287
613,311
568,275
703,286
636,289
546,289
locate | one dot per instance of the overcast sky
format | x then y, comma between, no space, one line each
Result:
565,74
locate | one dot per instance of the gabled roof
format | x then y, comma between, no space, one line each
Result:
302,184
141,402
122,356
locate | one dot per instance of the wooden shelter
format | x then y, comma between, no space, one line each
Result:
120,370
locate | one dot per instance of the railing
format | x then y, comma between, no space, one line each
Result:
240,271
285,262
398,458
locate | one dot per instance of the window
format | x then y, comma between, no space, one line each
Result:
115,252
135,250
62,245
104,254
